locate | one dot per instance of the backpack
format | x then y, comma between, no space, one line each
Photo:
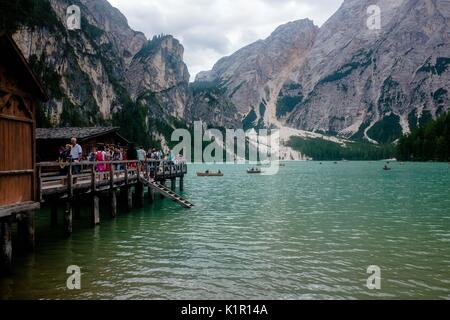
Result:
99,156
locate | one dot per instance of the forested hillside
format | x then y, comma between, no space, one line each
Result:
430,142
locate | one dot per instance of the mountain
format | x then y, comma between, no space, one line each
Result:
104,73
252,77
344,78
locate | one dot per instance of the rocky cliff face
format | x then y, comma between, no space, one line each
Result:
345,78
253,76
158,78
377,83
99,73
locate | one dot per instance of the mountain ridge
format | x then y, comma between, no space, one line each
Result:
352,81
94,77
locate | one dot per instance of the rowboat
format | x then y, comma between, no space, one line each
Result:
253,170
209,174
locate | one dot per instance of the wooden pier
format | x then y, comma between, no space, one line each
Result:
128,177
121,183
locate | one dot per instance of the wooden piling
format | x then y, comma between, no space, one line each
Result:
54,215
95,210
26,230
173,184
113,199
181,183
151,195
5,246
129,202
163,182
139,195
68,218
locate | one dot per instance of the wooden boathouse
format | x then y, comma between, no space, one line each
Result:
20,92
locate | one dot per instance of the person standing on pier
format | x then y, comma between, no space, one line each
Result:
170,157
141,157
141,154
64,158
76,154
132,155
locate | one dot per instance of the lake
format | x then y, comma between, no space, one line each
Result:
309,232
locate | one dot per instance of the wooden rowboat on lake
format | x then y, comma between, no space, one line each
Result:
254,171
209,174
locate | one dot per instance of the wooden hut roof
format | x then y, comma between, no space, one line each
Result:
10,52
79,133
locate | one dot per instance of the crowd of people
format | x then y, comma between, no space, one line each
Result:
73,152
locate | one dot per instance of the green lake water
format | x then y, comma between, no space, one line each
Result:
309,232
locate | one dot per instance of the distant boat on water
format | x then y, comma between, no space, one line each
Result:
209,174
253,170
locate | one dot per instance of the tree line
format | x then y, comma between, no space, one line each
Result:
324,150
427,143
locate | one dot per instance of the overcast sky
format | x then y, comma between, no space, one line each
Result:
211,29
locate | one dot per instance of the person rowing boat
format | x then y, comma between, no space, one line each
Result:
254,170
207,173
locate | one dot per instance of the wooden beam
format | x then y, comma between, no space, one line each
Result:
16,172
139,195
151,195
129,202
95,210
68,218
182,183
6,211
26,230
14,118
113,199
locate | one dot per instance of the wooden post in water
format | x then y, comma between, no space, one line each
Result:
163,183
113,199
173,184
68,218
139,195
54,215
151,195
182,183
112,191
26,230
5,246
70,182
129,201
95,210
139,189
128,191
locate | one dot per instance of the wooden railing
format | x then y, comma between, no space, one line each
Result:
87,176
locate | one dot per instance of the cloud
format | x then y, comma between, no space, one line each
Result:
211,29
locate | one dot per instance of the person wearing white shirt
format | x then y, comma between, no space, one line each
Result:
75,154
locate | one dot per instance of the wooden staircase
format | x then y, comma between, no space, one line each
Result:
167,193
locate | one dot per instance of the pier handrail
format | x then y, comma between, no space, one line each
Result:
56,163
122,171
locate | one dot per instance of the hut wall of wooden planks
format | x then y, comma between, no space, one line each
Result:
20,92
